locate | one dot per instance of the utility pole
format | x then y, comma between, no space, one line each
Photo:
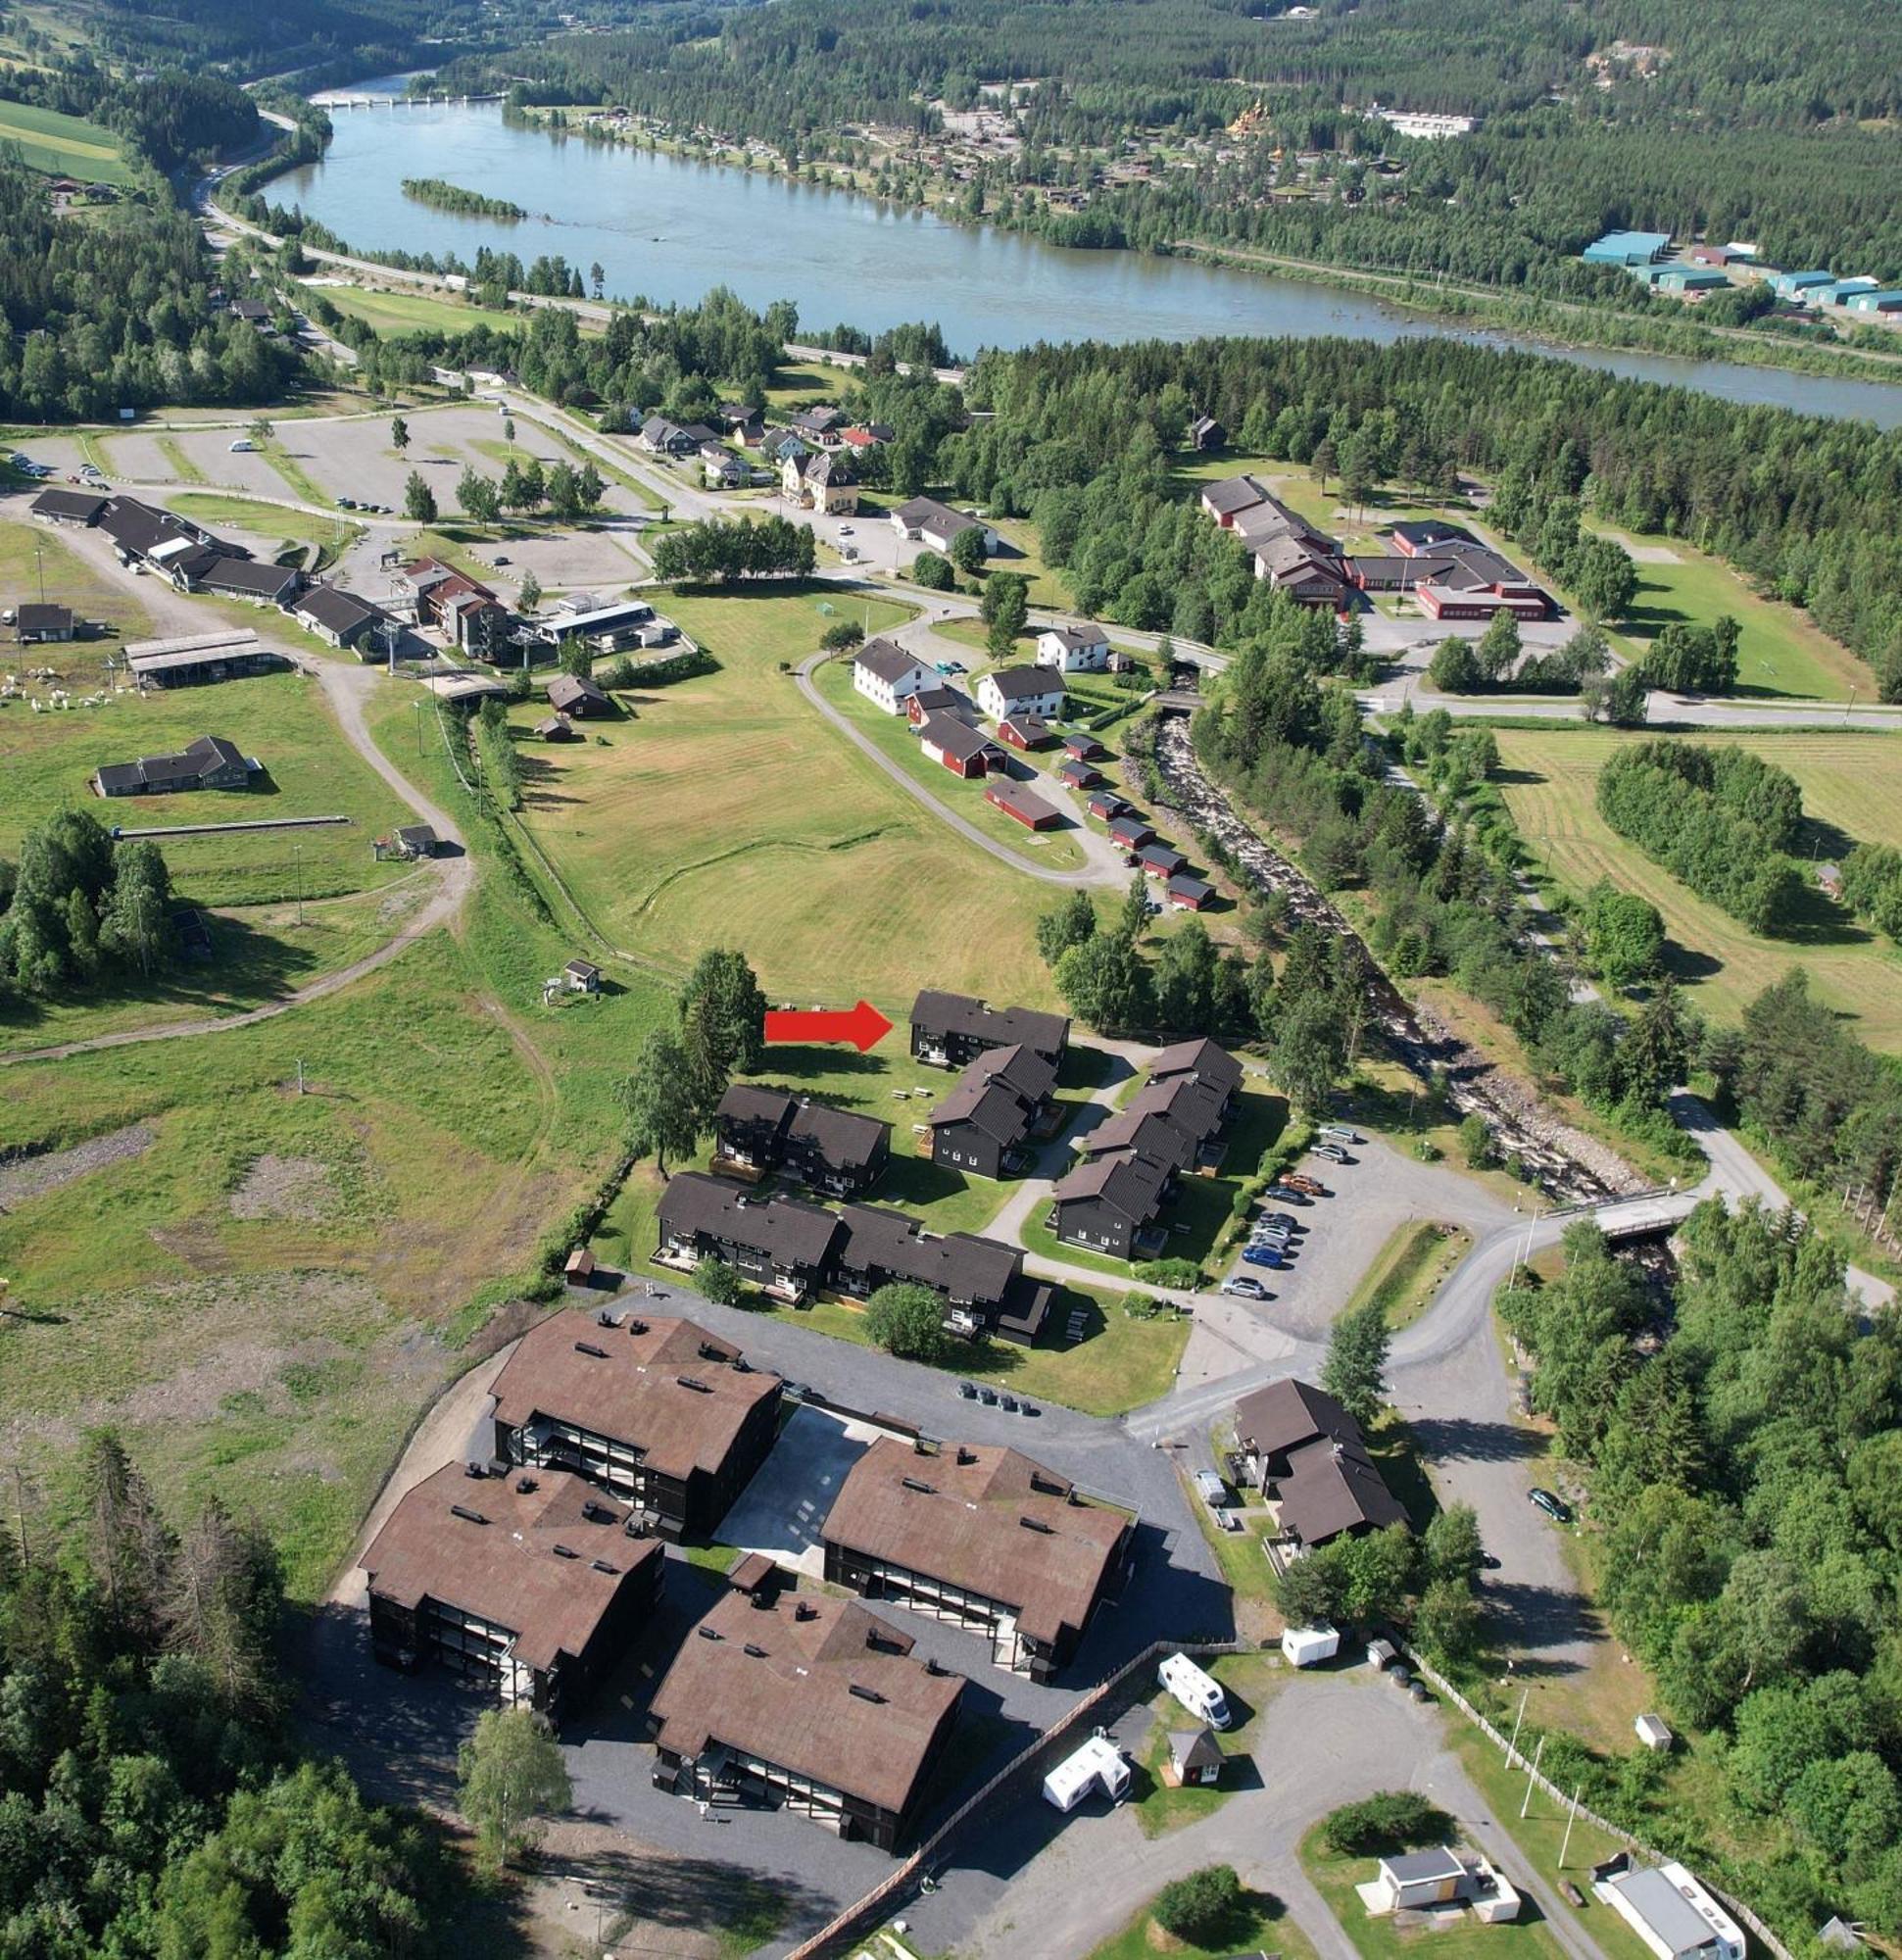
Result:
1569,1822
300,1075
297,874
39,565
1532,1769
1512,1747
417,705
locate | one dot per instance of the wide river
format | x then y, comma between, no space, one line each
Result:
669,229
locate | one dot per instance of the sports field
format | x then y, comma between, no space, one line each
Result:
725,811
63,146
1852,790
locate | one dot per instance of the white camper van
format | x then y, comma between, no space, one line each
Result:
1200,1693
1098,1764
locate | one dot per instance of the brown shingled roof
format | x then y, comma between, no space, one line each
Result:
778,1681
631,1389
960,1516
498,1559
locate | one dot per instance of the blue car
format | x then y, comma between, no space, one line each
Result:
1264,1256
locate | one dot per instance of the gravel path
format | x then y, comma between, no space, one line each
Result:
28,1177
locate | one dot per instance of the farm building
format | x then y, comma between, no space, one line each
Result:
208,763
198,661
982,1537
663,1414
1028,809
805,1703
526,1582
1690,279
37,626
1882,300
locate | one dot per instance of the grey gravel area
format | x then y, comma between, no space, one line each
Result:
27,1177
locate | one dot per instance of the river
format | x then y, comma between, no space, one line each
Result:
669,229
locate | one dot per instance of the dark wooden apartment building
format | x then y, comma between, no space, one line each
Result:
952,1030
981,1280
1305,1454
759,1130
983,1125
526,1582
658,1411
1131,1164
808,1703
982,1537
782,1244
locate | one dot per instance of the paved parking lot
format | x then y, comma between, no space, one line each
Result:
783,1510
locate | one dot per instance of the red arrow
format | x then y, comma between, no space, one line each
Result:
863,1025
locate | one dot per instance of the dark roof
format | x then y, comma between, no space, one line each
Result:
998,1094
570,691
1203,1057
1025,683
1162,857
942,519
776,1680
1146,1132
983,1518
1194,1749
843,1136
1028,729
753,1103
936,697
781,1228
1075,638
960,1265
490,1547
247,575
339,610
1429,531
83,506
33,617
1022,803
888,661
954,737
1233,493
140,528
957,1013
1130,829
1122,1179
1332,1484
1181,886
631,1383
208,752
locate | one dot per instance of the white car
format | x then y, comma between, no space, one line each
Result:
1245,1287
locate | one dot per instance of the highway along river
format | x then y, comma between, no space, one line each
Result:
669,229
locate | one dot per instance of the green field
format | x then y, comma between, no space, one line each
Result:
724,810
271,522
398,314
1058,850
63,146
1852,789
1408,1270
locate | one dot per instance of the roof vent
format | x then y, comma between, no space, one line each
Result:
602,1565
474,1470
806,1610
694,1382
598,1514
969,1455
523,1484
589,1349
637,1327
710,1353
1035,1525
565,1551
468,1516
758,1653
918,1484
709,1634
864,1692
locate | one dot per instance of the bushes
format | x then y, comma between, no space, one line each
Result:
717,1281
1199,1907
1871,885
934,573
1181,1273
1388,1821
906,1321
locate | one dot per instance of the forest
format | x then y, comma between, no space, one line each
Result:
1719,818
1760,122
1741,1433
152,1797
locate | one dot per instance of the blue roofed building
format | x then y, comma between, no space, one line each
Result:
1840,292
1628,247
1883,299
1687,279
1794,285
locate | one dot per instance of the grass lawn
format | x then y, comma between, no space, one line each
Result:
1852,790
1059,850
270,521
1528,1938
802,381
282,719
725,811
1261,1925
1250,1681
395,316
1240,1553
63,145
1022,551
31,552
1408,1270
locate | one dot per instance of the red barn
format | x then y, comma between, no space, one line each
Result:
1031,810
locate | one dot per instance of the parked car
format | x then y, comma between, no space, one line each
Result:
845,531
1339,1133
1245,1288
987,1397
796,1391
1331,1153
1418,1691
1264,1256
1028,1408
1313,1188
1287,1193
1554,1506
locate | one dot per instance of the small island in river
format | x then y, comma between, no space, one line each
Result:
452,197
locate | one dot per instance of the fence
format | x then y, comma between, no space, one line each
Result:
859,1917
1516,1759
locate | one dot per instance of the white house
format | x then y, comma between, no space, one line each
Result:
1669,1910
1021,691
1440,1877
1073,648
930,522
885,673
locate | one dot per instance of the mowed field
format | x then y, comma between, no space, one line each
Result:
726,812
63,145
1852,789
